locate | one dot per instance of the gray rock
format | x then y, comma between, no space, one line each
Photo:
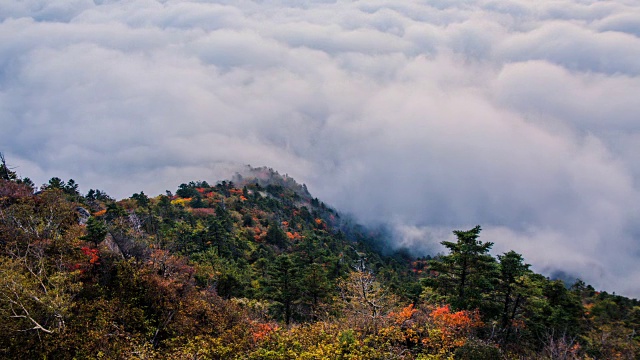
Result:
83,215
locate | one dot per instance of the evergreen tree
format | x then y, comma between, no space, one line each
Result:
96,194
315,288
276,236
71,188
114,211
96,230
467,275
55,183
512,269
141,199
5,172
217,234
283,285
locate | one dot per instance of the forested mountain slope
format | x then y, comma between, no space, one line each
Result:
257,268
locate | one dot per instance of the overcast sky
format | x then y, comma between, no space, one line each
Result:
521,116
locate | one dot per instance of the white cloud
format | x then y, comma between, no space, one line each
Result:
520,116
626,22
575,47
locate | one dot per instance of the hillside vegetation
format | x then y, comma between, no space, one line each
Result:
256,268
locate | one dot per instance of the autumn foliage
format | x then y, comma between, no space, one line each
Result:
94,258
449,329
258,269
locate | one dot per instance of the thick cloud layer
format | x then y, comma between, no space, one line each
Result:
521,116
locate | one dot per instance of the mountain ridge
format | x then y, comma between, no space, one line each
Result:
247,267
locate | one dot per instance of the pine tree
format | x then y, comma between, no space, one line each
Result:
315,288
5,172
96,230
283,285
467,275
512,269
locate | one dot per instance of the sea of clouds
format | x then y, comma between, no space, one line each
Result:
521,116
